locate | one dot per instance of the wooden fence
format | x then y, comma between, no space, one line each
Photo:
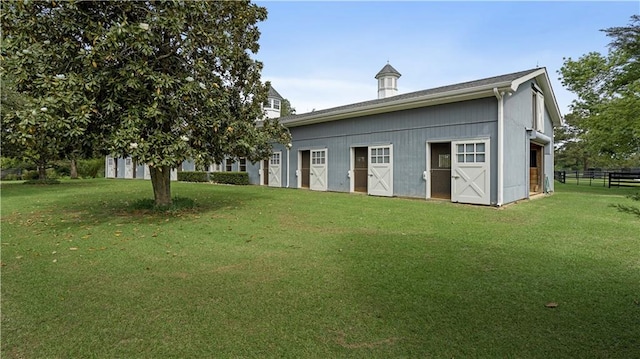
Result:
624,179
604,178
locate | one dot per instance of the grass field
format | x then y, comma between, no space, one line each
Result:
255,272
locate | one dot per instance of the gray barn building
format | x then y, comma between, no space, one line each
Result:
486,142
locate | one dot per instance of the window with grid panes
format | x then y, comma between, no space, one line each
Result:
471,152
275,159
380,155
317,157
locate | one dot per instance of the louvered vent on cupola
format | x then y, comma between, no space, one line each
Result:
387,81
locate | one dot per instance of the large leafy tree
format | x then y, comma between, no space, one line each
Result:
166,80
286,109
608,90
46,112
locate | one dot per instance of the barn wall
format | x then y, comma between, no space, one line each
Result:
518,118
549,164
408,131
518,115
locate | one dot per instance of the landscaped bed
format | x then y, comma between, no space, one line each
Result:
253,271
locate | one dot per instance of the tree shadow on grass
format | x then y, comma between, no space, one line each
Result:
106,201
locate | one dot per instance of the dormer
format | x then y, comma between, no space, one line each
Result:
387,81
273,104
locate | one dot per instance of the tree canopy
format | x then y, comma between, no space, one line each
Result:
160,81
606,112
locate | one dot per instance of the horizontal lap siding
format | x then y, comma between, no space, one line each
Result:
407,130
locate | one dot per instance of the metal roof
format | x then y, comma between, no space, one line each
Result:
439,95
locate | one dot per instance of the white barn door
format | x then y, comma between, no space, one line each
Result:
111,167
275,170
318,170
147,172
128,167
380,171
470,172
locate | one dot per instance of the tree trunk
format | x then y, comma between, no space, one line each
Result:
161,181
42,172
74,169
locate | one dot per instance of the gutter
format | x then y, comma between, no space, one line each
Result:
500,98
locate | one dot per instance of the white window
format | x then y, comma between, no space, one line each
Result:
380,155
267,103
317,157
275,159
537,107
276,104
471,152
243,165
228,165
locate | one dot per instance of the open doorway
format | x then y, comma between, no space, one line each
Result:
360,169
265,172
535,169
440,170
305,167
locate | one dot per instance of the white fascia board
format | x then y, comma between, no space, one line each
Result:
542,79
405,104
519,81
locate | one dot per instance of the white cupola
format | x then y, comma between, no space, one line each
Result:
387,81
272,104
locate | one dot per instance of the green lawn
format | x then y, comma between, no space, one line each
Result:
257,272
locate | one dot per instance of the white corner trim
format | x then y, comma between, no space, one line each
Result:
500,98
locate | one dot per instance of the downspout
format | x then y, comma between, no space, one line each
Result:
288,162
500,98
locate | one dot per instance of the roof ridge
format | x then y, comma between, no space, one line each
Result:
460,85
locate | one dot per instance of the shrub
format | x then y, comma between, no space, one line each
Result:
90,168
62,168
51,173
10,177
237,178
193,176
30,175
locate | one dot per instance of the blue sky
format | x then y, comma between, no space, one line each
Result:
326,54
